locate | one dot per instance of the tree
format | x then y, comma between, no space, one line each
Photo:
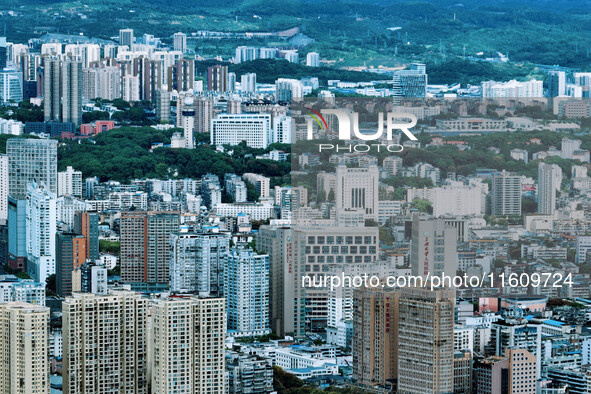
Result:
51,283
423,205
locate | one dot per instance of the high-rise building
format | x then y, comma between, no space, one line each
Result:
275,240
246,288
4,186
70,255
316,250
126,37
181,75
506,194
434,247
41,225
105,341
3,52
556,83
145,246
86,224
288,90
375,336
249,374
198,366
411,82
313,59
522,371
513,89
17,234
69,183
248,83
24,359
180,42
62,90
162,98
31,160
217,78
231,86
188,121
426,341
11,86
232,129
463,372
203,114
197,262
491,375
549,182
357,189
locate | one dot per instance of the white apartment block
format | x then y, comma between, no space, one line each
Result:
24,360
513,89
69,183
246,287
198,366
41,225
454,199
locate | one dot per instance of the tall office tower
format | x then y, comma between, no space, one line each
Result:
41,224
17,234
188,121
203,115
69,183
549,182
126,37
199,365
506,194
434,247
231,82
3,53
11,86
288,89
246,288
556,83
346,245
313,59
357,189
180,42
145,243
70,255
375,336
4,186
162,98
232,129
426,341
31,160
248,83
86,224
411,82
197,262
217,78
24,361
181,75
62,90
276,242
105,343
